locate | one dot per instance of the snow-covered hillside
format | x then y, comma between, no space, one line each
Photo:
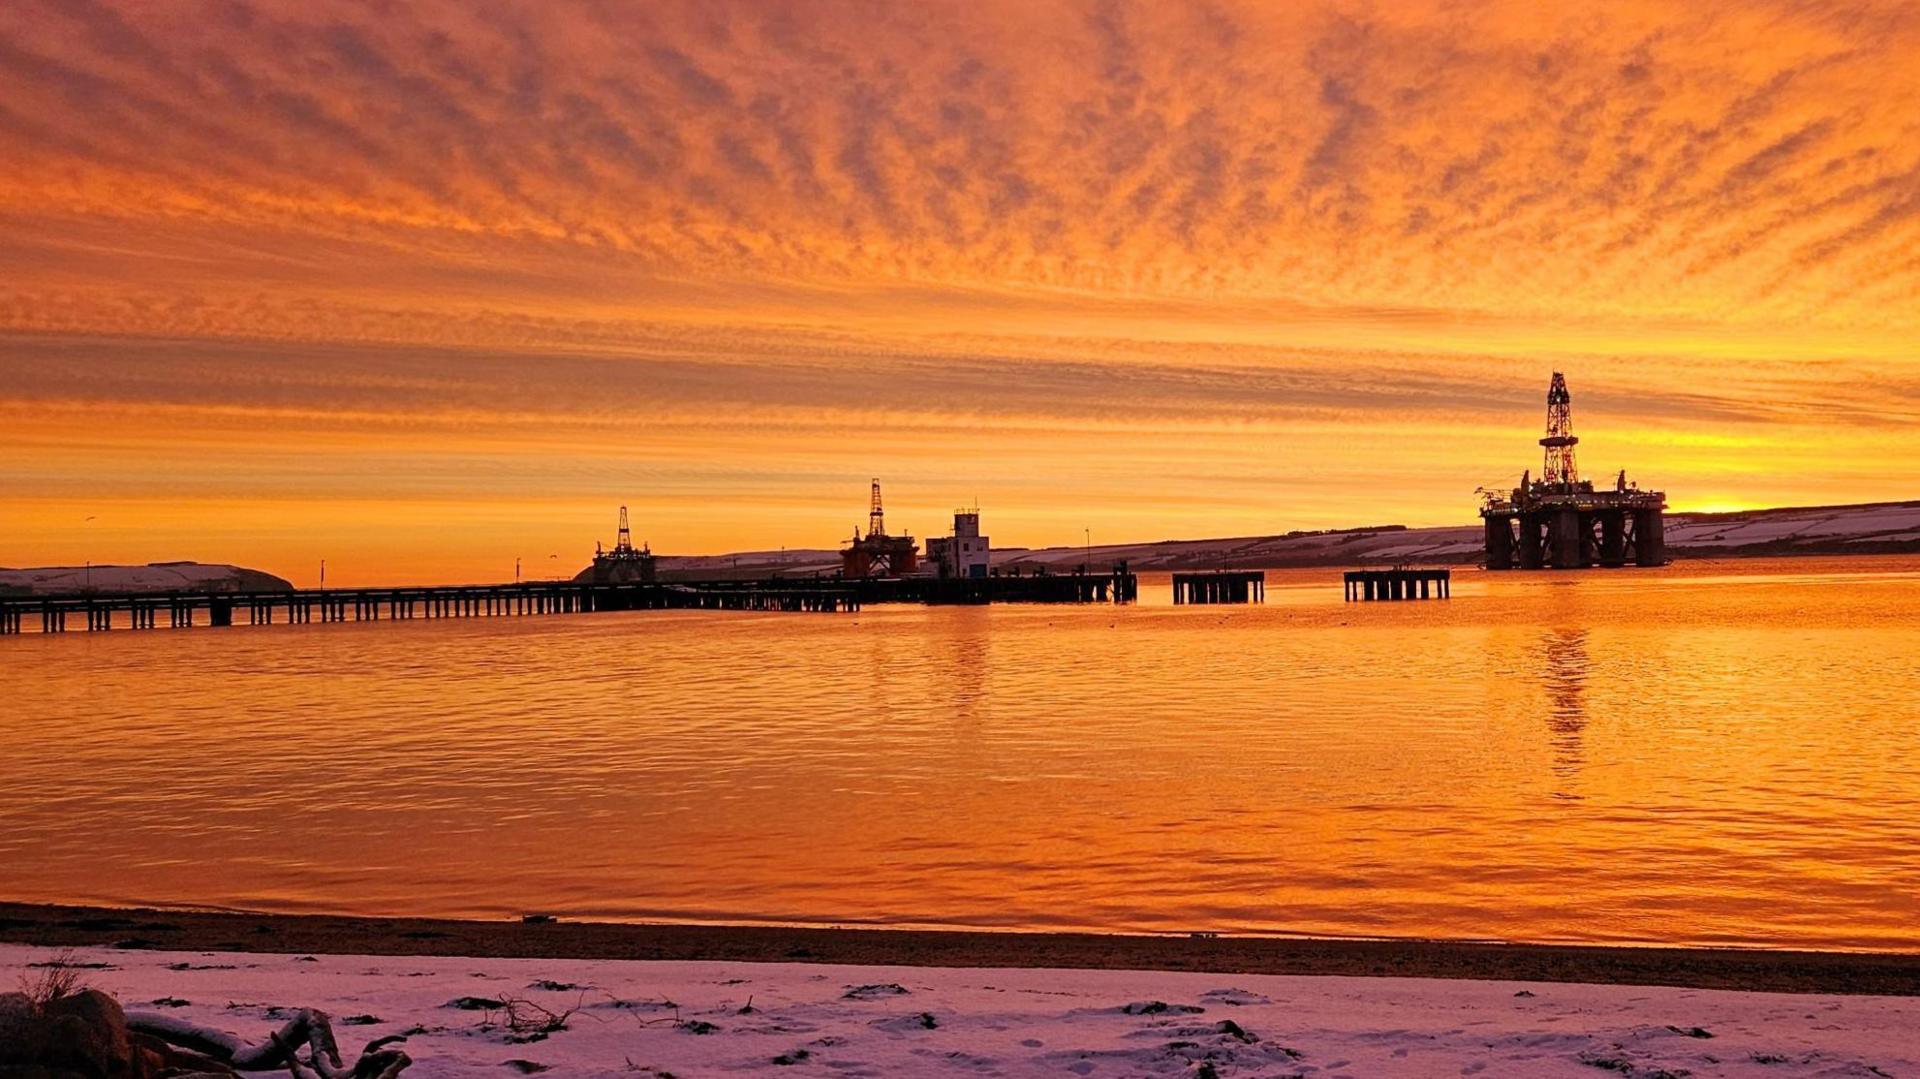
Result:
156,577
1886,527
1865,529
1810,530
1385,544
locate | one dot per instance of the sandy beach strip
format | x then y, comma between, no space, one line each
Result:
1884,974
673,1018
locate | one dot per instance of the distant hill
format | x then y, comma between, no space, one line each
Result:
1872,528
1876,528
156,577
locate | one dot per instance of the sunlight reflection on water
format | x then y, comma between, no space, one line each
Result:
1716,752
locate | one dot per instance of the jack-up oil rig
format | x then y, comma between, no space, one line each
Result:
879,555
625,564
1561,521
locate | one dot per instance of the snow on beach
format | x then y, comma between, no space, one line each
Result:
708,1018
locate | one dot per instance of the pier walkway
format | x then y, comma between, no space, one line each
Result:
1118,586
99,611
105,611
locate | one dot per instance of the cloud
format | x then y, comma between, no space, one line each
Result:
999,211
1314,154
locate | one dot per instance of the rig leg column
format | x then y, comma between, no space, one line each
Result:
1565,532
1650,538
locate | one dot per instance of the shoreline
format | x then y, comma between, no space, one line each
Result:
1850,973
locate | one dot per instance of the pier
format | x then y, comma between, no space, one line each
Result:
1220,586
1369,585
181,610
100,611
1119,586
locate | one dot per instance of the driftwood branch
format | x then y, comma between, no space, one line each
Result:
309,1031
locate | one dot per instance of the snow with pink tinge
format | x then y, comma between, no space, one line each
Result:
159,577
636,1019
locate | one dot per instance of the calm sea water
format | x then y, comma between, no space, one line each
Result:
1712,753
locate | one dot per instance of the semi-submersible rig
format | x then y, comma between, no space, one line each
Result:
1561,521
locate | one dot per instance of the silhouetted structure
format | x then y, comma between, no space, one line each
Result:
1369,585
964,554
1559,469
878,555
1224,586
625,564
1118,586
1561,521
300,606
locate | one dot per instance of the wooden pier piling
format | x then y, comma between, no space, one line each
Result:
1223,586
1374,585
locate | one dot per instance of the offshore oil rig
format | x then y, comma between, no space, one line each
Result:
1561,521
625,564
878,554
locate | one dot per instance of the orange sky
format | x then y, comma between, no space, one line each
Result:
419,288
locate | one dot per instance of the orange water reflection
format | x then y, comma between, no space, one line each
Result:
1711,753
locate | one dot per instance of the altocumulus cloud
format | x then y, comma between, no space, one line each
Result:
1738,161
1154,213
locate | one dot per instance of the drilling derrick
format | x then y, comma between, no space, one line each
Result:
1560,470
1560,520
878,554
623,540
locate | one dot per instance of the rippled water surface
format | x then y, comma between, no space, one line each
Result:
1716,752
